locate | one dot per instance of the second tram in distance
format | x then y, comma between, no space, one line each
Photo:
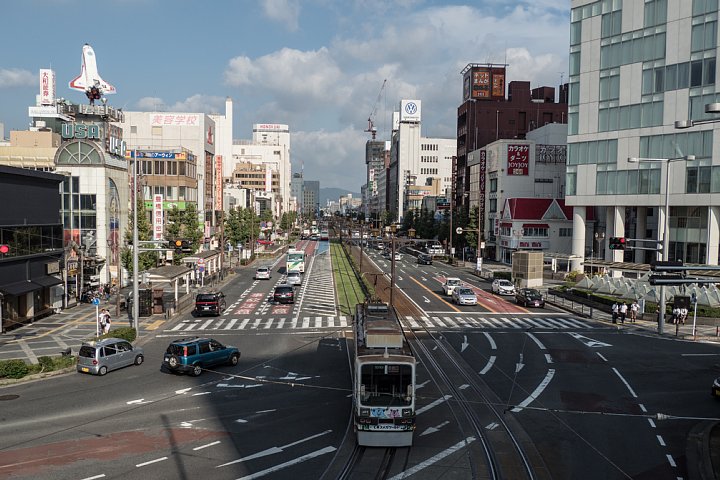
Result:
384,383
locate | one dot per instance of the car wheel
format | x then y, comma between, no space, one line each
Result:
234,358
197,370
139,360
173,362
102,371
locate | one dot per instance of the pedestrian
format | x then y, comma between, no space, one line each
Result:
623,312
683,314
106,324
675,315
634,308
615,311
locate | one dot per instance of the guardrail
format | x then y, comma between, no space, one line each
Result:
569,304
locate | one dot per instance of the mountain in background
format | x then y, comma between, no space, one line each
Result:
333,194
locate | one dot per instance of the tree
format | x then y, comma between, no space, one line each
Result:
183,225
146,260
472,237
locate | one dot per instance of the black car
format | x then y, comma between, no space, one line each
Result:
192,355
284,293
529,297
209,303
424,259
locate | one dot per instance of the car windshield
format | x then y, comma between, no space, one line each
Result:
465,291
283,289
453,281
205,297
504,283
532,293
262,270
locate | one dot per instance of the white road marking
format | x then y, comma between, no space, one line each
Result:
289,463
589,342
490,339
201,393
652,424
537,341
601,356
632,392
548,358
464,344
432,404
151,461
102,475
434,459
642,407
136,402
207,445
274,450
519,365
661,441
183,391
536,393
434,429
492,426
488,366
671,460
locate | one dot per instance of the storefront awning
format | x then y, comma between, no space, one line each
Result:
19,288
47,281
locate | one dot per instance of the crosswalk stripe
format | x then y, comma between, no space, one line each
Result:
532,322
439,322
219,324
577,323
244,323
412,322
306,322
509,322
230,324
206,324
281,323
177,327
449,321
269,323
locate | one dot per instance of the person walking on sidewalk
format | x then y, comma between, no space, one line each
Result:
623,312
615,311
634,311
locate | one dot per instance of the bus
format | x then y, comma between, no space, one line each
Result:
295,261
384,378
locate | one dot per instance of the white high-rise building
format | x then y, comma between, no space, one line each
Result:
636,67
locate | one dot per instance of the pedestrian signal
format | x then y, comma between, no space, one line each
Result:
617,243
4,249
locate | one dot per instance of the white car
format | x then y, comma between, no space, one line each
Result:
262,273
503,287
294,278
450,284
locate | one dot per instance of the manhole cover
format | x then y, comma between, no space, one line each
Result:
9,397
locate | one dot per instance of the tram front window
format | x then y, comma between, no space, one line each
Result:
386,385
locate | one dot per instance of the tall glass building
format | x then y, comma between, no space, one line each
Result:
637,66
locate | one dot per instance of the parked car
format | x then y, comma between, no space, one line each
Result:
424,259
262,273
450,284
529,297
99,357
294,277
284,293
212,303
192,355
464,296
503,287
398,256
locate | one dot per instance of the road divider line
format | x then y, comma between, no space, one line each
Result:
151,462
207,445
632,392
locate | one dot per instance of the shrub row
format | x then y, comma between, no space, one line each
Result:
19,369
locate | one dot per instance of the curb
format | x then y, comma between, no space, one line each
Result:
5,382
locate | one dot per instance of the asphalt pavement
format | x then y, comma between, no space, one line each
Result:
71,327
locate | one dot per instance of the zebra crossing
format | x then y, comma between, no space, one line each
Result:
415,323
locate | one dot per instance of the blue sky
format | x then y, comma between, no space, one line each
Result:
316,65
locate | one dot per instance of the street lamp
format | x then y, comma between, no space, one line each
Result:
666,223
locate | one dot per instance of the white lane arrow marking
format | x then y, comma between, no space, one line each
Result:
183,391
425,299
434,429
420,385
488,366
464,344
492,426
274,450
432,404
519,366
589,342
136,402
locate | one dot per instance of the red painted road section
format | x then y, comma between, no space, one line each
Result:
42,459
490,301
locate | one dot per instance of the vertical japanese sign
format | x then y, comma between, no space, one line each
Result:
268,178
47,86
518,160
481,200
481,83
157,217
218,183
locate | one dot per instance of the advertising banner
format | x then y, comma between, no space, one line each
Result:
218,183
481,83
47,86
177,119
157,216
518,160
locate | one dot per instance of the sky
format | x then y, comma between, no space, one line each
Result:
315,65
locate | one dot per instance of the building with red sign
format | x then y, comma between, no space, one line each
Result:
489,113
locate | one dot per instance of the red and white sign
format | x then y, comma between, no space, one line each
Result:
175,119
218,183
47,86
157,217
268,178
518,160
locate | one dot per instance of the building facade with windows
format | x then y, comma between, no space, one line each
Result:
636,67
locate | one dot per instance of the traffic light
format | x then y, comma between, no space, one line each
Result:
616,243
4,249
179,245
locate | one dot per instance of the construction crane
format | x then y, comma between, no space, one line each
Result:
371,125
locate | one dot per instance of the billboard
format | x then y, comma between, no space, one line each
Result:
481,199
157,216
175,119
518,160
218,183
410,110
47,86
484,83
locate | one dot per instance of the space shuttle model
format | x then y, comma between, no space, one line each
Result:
89,80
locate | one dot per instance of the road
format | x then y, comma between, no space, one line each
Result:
580,397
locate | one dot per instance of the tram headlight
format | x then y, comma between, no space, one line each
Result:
364,412
407,412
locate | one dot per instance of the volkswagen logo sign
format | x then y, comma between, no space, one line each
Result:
410,108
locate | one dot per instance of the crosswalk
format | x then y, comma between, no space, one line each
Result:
415,323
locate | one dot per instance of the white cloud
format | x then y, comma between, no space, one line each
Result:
16,77
195,103
330,157
283,11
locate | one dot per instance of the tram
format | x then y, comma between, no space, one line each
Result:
295,261
384,383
